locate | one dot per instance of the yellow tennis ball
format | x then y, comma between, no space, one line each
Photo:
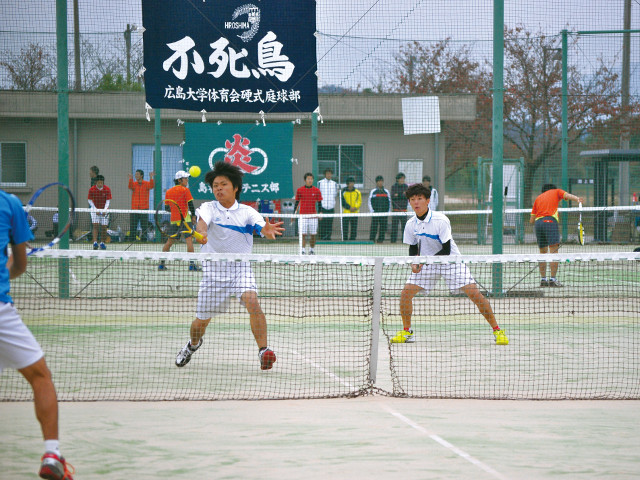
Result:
194,171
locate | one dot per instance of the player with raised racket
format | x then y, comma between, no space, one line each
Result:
228,227
429,233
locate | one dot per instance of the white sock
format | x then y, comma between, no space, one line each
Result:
52,446
311,250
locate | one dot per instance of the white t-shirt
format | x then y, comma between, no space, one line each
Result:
329,190
433,202
229,230
429,234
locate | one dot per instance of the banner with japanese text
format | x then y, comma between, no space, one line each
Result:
263,153
230,56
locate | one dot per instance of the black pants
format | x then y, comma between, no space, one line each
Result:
143,218
325,225
395,222
349,222
379,226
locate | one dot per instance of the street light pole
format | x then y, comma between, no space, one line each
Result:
127,42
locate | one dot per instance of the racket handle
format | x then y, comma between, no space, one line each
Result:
199,237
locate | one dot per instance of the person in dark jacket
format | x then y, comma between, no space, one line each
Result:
379,201
399,204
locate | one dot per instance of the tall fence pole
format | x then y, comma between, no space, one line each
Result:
63,138
565,132
497,138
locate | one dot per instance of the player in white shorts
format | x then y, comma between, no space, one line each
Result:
308,226
429,233
228,227
18,347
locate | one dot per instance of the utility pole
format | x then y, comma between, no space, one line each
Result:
127,42
76,45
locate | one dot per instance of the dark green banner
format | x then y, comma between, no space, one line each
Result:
263,153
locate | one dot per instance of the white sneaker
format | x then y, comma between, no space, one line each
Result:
312,251
184,355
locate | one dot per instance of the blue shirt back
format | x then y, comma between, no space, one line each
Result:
14,229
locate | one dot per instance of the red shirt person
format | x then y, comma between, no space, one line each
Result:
99,199
307,199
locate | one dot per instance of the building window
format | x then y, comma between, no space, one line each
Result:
13,164
345,161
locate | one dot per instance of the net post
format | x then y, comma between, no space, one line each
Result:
375,319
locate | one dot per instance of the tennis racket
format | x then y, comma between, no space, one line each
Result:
580,228
165,226
51,195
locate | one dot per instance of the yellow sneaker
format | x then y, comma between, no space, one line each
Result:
404,336
501,337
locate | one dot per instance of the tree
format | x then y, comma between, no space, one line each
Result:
442,69
532,100
32,69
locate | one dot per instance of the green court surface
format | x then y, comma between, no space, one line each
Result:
366,437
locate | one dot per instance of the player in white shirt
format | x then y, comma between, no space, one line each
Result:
329,190
433,200
429,233
228,227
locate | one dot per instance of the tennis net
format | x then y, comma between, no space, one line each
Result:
606,229
111,324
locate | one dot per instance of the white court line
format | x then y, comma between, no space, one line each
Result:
324,370
445,444
597,277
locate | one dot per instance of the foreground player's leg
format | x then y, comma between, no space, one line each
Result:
406,311
198,327
258,323
53,465
484,307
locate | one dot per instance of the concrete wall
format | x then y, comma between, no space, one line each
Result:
104,127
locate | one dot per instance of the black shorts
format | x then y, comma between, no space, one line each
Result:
547,231
173,229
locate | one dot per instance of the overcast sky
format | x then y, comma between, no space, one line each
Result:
358,39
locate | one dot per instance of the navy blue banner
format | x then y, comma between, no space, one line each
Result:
230,56
263,153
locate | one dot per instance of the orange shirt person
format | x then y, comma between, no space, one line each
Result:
182,196
544,215
140,189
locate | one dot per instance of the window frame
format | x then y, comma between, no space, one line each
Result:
14,184
337,174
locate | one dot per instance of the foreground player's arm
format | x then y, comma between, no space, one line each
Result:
17,263
201,228
446,248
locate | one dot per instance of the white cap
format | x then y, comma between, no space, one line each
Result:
181,174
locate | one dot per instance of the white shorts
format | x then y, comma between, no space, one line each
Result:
308,226
101,218
455,276
18,346
220,281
